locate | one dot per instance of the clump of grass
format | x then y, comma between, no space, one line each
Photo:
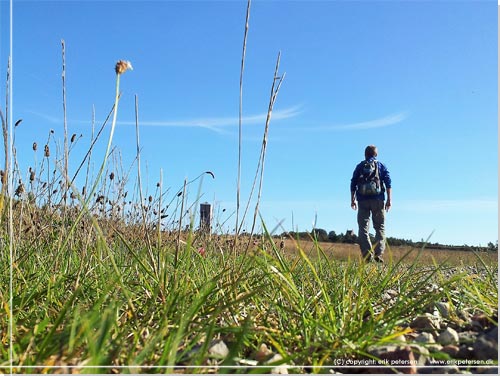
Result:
311,310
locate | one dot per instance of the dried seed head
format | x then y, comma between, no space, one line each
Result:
83,191
3,176
19,190
46,151
122,66
73,137
18,122
32,175
35,146
72,195
111,176
150,198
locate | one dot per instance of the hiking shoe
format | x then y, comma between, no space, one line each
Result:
379,259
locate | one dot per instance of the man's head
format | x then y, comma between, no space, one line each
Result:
370,151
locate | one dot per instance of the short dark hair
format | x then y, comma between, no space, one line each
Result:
370,151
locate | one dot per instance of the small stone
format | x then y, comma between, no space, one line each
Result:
464,315
425,338
393,293
434,347
485,348
248,362
403,356
281,369
386,297
467,338
263,353
399,339
433,287
444,309
492,334
482,321
421,354
465,352
425,322
476,326
451,350
379,350
448,337
218,349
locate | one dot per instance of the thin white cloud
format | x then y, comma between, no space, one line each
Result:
216,124
221,122
364,125
49,118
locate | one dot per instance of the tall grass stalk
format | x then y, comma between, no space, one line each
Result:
66,153
5,173
92,138
88,156
179,230
7,143
275,87
158,223
9,180
139,182
240,125
120,68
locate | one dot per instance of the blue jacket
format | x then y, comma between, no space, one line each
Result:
385,178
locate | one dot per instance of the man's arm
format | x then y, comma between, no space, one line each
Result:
386,177
354,181
388,202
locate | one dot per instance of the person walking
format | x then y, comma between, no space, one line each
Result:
370,180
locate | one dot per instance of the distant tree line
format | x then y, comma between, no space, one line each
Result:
350,237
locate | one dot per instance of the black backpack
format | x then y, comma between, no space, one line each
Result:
369,179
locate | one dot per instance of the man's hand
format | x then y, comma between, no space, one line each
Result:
388,205
353,205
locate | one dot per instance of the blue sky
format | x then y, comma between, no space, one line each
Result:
417,79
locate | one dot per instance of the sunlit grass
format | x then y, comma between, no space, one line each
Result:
84,311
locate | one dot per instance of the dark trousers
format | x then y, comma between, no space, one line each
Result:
375,209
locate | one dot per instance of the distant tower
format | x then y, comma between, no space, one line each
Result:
206,217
